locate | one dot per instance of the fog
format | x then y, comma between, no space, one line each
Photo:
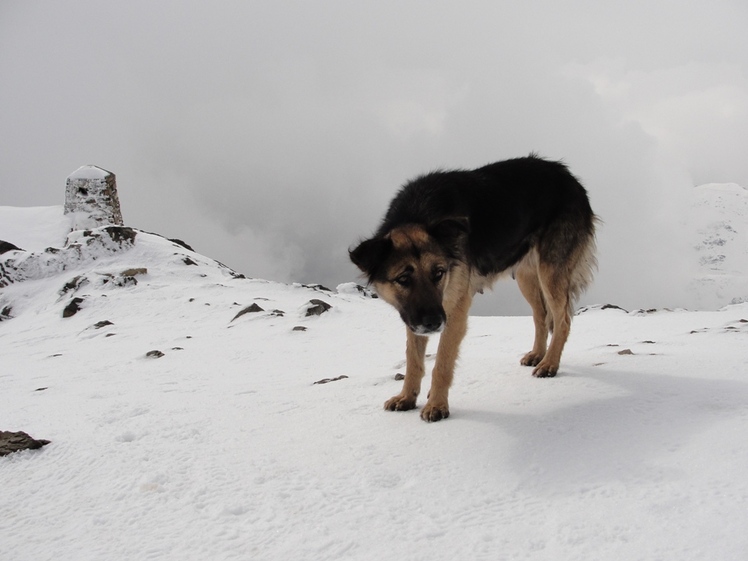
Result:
271,135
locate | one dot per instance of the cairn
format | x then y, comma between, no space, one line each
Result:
91,198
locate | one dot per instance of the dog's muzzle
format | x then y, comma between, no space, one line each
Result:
429,325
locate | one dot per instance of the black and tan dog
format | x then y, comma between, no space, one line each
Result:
449,234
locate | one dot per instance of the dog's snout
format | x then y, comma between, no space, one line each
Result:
432,323
428,323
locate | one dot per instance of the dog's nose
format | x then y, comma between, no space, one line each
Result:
432,323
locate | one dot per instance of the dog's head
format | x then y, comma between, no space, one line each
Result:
411,267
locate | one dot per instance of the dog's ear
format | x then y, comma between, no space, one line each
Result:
370,254
451,232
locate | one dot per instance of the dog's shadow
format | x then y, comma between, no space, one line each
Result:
625,436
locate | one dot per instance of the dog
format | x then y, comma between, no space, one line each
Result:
448,235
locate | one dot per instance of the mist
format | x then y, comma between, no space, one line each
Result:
271,135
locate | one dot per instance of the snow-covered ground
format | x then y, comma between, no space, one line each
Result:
225,448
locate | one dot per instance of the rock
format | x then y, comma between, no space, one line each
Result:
15,441
72,308
399,377
100,324
254,308
154,354
7,246
328,380
5,313
316,307
299,328
134,271
626,352
73,284
180,243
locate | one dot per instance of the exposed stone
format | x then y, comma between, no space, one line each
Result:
154,354
5,313
254,308
328,380
91,197
299,328
134,271
72,308
316,307
100,324
15,441
7,246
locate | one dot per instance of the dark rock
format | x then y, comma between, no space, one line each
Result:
248,310
121,234
626,352
100,324
73,284
399,377
188,261
41,389
181,243
317,287
5,313
72,308
328,380
154,354
317,307
15,441
299,328
7,246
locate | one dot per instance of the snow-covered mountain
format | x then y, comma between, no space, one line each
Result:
197,414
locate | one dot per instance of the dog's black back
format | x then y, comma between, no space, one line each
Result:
511,206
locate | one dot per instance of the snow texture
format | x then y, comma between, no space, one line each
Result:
177,433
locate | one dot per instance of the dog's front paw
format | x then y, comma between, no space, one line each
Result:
545,370
531,359
432,412
400,403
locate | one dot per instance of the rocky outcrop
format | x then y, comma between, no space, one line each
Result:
15,441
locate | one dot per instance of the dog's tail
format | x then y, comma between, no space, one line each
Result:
585,265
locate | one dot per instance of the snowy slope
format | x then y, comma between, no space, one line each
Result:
225,448
34,228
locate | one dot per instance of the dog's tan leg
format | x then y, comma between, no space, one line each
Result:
529,285
415,352
437,406
555,286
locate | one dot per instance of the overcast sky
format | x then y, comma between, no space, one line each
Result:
270,135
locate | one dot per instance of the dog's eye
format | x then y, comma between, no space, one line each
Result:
438,274
403,280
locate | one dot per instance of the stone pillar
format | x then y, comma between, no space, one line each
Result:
91,198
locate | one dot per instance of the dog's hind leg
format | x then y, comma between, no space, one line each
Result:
555,285
437,406
529,285
415,352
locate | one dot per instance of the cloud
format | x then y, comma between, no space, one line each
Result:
271,135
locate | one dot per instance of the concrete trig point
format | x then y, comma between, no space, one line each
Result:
91,197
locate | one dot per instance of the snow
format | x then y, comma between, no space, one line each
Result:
89,172
34,228
225,448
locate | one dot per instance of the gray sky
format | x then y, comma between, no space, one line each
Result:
270,135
